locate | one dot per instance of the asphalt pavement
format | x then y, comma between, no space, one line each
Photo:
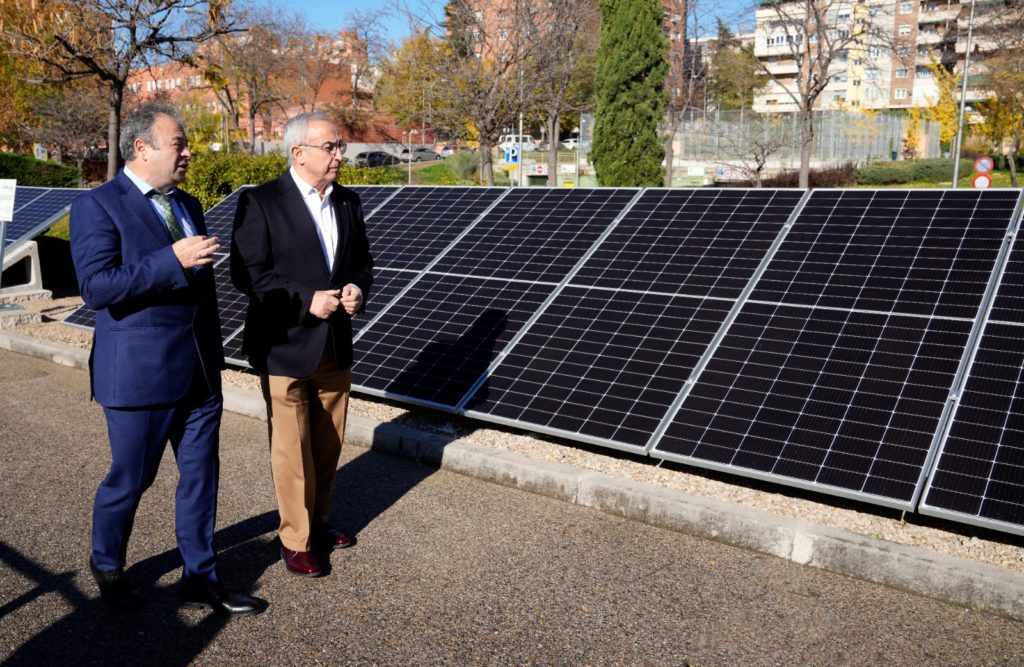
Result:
448,569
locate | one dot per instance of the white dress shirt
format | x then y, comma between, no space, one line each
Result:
322,212
176,208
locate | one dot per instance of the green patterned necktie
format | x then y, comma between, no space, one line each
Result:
164,203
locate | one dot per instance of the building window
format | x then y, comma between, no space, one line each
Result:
924,73
875,52
843,16
901,73
900,93
902,51
906,8
904,30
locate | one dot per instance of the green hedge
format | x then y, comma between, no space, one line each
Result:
30,171
909,171
213,176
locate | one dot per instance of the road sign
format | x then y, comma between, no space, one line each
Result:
512,155
984,164
982,181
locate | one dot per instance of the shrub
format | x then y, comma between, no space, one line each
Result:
909,171
464,165
828,177
29,171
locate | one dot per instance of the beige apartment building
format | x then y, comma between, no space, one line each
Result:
881,50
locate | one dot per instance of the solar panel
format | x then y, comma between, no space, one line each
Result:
417,223
372,196
220,218
433,343
81,317
387,284
1009,302
836,371
536,234
35,211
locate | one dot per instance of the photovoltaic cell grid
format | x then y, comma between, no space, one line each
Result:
978,475
536,234
386,286
232,305
606,364
702,242
35,210
416,224
834,387
220,218
372,196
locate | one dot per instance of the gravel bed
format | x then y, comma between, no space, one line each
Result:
945,537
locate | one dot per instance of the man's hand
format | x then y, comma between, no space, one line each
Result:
193,251
324,303
351,298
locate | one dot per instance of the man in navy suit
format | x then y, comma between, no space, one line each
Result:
142,257
299,251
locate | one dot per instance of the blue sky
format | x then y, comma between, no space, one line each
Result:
329,15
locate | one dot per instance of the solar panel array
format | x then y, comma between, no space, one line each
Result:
813,339
36,210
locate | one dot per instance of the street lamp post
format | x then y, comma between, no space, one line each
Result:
576,131
409,153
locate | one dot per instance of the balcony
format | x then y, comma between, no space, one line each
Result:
930,37
944,15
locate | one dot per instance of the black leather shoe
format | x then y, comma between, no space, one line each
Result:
204,594
115,587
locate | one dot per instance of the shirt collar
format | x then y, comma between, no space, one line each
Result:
305,188
142,185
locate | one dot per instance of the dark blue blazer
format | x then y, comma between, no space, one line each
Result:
154,320
278,262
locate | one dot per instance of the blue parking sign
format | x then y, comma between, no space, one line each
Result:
512,155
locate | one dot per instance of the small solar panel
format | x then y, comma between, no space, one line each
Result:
601,365
434,342
927,252
704,242
81,317
536,234
372,196
36,210
416,224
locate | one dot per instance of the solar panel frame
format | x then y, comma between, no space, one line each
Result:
38,213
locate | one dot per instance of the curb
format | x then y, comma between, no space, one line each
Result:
917,570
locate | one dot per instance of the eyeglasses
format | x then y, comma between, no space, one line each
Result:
331,148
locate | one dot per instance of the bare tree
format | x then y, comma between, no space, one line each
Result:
808,42
313,60
753,142
73,118
1000,61
106,39
562,57
368,45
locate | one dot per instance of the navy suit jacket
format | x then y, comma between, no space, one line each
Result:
154,320
278,262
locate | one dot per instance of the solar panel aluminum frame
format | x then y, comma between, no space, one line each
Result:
460,407
792,481
960,385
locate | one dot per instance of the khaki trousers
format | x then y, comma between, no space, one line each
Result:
306,419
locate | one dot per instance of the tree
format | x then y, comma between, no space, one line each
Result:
810,36
945,109
72,117
562,51
106,39
753,141
1001,30
735,75
631,98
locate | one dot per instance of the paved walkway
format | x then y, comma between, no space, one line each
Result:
448,570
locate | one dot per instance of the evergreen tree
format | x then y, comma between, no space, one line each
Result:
736,74
631,97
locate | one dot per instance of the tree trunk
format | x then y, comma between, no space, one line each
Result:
670,154
114,129
1012,163
553,122
806,146
486,165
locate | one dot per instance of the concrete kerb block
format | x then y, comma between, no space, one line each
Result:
61,354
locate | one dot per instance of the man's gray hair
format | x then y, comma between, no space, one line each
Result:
297,128
139,125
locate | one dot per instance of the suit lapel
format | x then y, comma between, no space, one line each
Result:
138,207
343,218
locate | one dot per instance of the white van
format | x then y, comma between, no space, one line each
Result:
506,141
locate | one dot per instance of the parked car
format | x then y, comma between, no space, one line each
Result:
571,143
418,154
448,150
506,141
375,159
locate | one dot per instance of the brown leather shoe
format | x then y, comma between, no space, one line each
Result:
331,538
300,563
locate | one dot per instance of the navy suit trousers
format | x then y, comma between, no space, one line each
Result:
138,437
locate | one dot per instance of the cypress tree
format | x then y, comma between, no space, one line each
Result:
631,97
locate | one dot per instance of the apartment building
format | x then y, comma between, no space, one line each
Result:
880,52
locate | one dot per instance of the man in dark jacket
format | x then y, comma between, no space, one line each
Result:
299,252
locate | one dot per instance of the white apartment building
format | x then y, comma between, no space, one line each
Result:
879,52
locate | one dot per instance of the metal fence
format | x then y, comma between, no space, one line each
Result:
840,136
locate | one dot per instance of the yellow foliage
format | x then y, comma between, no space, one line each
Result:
946,109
